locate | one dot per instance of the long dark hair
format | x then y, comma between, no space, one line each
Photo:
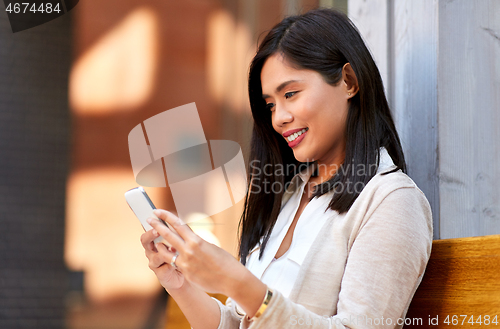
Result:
322,40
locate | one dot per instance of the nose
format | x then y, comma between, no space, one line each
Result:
281,116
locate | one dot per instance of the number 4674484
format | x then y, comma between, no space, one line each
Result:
23,7
480,320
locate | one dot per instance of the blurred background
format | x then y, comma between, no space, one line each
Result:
72,89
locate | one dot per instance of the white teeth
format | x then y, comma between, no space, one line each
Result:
292,137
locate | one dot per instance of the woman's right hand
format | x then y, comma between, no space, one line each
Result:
169,277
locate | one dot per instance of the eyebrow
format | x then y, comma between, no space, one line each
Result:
280,87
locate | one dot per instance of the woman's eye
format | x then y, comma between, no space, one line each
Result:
270,106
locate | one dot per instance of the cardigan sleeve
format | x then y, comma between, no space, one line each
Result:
228,317
385,265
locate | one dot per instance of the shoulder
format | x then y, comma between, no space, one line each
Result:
392,206
384,183
394,190
390,181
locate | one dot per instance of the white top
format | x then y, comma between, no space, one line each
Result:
280,274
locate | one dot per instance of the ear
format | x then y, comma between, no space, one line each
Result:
350,80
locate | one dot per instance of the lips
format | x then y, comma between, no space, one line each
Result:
293,131
297,137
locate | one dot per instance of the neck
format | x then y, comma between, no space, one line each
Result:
327,168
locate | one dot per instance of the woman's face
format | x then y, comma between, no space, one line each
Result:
306,108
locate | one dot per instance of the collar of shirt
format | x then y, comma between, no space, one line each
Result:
302,177
386,162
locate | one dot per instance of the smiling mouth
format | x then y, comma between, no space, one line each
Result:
293,136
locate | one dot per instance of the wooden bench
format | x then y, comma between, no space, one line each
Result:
461,284
462,278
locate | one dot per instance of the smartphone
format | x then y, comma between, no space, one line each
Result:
143,207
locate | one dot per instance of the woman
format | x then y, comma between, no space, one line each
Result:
345,242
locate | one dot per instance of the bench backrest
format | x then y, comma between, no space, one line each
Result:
461,285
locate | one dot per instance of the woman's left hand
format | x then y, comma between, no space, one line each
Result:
203,264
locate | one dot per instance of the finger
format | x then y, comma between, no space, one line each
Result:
166,254
147,239
179,226
171,249
171,237
156,260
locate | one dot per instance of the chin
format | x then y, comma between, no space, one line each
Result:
301,157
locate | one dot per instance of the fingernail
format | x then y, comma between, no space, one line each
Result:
149,220
155,232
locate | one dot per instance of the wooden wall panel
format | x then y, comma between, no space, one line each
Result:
371,19
469,117
414,82
402,37
440,62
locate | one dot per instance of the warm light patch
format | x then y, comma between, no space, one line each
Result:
220,35
229,51
103,234
244,51
117,73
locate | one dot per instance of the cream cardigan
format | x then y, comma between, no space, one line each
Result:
363,267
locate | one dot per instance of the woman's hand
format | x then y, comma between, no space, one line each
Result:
203,264
169,277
